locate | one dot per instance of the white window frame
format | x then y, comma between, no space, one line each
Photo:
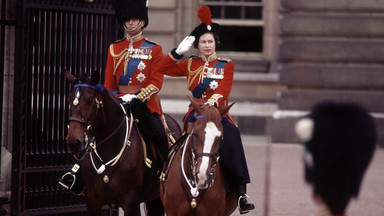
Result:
239,22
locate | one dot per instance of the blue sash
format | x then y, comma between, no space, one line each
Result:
202,87
132,65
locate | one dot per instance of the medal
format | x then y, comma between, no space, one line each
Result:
141,77
213,85
141,53
215,73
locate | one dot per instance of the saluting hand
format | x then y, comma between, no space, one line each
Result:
185,45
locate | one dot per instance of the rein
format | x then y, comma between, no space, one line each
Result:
192,184
114,160
90,142
194,191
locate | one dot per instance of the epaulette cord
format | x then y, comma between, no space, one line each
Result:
224,59
194,56
151,41
119,40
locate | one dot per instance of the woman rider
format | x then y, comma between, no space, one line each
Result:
210,80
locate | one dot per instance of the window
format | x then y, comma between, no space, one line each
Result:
241,23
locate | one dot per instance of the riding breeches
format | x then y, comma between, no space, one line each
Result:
232,155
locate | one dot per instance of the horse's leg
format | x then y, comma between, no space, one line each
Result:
93,208
154,207
131,206
132,211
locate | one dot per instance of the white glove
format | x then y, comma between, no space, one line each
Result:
127,98
185,45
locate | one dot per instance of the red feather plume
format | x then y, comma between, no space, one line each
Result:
204,13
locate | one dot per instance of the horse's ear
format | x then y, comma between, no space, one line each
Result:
70,77
83,77
195,105
95,77
225,109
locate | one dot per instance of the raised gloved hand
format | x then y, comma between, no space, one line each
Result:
185,45
127,98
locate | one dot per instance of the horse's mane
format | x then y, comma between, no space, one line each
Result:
93,80
112,96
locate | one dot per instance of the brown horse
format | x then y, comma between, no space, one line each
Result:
107,141
194,183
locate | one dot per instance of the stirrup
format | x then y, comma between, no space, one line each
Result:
62,183
247,199
70,182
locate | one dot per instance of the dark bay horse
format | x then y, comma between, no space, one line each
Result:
194,183
107,141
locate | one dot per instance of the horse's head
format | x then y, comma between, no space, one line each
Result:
207,133
85,103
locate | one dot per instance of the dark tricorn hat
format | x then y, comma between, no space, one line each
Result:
204,13
339,139
128,9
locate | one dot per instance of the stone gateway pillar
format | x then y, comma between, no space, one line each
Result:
329,50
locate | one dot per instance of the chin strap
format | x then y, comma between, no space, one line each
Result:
135,29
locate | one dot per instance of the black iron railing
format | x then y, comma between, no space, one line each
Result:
52,35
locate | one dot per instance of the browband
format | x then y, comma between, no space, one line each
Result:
98,87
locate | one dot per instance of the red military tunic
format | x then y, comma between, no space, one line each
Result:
133,69
214,74
210,80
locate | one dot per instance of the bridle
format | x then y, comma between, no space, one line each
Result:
193,183
89,136
76,101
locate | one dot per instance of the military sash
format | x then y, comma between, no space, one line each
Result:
135,59
216,72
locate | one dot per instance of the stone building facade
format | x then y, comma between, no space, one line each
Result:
289,54
312,51
329,50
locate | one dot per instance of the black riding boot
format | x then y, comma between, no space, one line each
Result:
150,126
242,200
73,180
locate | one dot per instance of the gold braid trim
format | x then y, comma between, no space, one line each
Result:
173,57
213,99
193,74
122,55
146,92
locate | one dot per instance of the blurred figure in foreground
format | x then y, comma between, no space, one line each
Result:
339,142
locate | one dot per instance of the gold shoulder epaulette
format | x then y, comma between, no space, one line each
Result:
224,59
151,41
119,40
194,56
